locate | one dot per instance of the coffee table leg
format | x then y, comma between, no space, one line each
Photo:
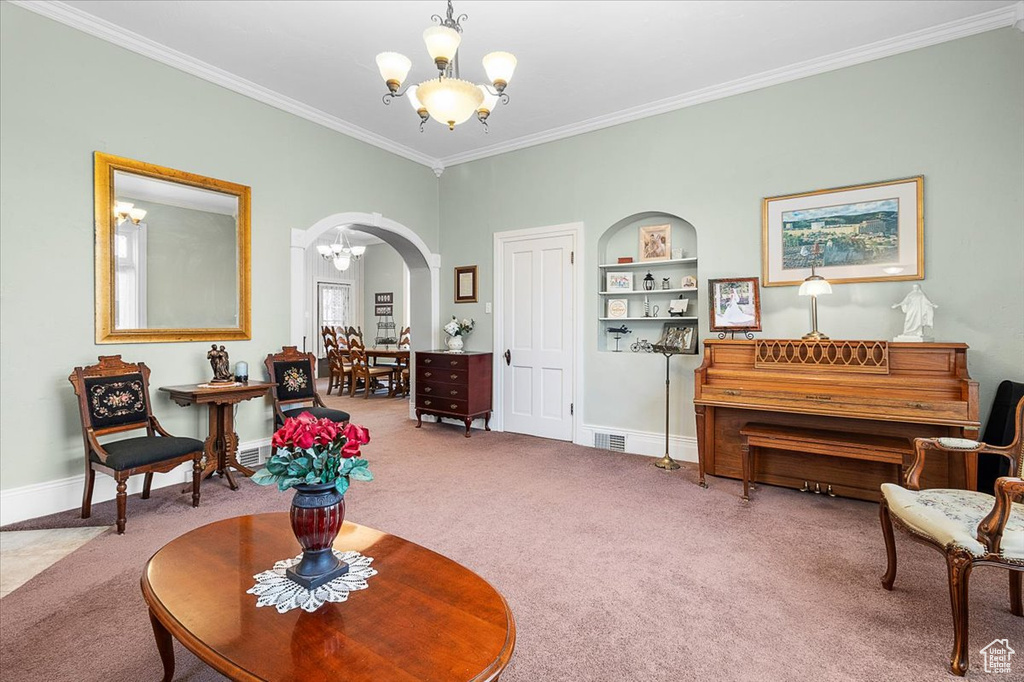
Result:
165,645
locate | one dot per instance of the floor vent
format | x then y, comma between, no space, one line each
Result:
254,457
610,441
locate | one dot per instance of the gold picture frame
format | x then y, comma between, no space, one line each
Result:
465,284
872,232
655,243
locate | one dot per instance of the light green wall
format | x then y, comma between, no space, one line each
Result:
65,95
383,271
953,112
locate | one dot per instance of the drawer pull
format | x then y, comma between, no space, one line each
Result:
454,392
454,377
427,374
427,389
426,361
455,363
427,402
454,406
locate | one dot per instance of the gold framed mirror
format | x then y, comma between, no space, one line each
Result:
172,255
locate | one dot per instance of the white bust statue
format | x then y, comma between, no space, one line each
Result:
919,313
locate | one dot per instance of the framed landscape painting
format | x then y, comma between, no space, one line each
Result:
862,233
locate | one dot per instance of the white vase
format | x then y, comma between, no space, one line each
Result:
454,344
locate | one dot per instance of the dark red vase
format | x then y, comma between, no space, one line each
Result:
318,510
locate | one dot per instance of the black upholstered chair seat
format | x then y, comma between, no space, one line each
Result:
319,413
136,452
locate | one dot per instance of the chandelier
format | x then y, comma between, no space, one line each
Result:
448,99
341,253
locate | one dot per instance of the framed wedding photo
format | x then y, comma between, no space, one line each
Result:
619,281
735,304
465,284
861,233
655,242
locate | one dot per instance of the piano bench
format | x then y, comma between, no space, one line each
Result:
864,446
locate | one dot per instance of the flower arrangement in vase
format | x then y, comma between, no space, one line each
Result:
455,331
318,458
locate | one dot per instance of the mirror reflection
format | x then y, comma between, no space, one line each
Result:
175,255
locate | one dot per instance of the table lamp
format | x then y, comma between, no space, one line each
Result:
814,286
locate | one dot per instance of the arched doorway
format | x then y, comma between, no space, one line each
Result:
424,273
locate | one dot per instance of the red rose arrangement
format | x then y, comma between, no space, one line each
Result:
311,451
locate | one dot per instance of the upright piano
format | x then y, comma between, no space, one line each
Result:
906,390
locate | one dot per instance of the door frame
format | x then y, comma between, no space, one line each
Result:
576,231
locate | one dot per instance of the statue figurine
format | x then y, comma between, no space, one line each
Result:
219,362
919,312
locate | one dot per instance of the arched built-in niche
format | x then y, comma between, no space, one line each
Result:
622,240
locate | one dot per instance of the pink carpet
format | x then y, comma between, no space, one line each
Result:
615,570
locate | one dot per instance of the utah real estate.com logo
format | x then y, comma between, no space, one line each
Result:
997,656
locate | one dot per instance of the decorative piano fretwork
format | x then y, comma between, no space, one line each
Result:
871,357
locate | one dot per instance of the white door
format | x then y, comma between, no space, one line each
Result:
537,342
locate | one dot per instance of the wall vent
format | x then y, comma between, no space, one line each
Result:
615,442
254,457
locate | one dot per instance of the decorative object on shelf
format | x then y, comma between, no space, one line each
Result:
872,233
625,259
919,312
735,305
642,346
677,307
218,358
677,254
649,282
619,332
619,281
341,253
655,242
666,282
618,307
689,282
316,457
678,337
242,371
814,286
465,284
648,311
448,99
275,588
455,331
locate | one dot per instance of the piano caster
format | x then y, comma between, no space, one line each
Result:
806,488
829,491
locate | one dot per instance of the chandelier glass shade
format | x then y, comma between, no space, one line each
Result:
447,98
340,253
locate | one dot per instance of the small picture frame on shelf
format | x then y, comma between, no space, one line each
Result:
678,337
689,282
735,304
655,243
619,281
618,308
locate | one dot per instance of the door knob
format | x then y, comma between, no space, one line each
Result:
508,357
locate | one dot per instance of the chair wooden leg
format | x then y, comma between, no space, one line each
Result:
1016,607
890,545
122,503
197,478
959,566
147,483
90,478
745,463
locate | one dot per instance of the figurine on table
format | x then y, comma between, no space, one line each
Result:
221,367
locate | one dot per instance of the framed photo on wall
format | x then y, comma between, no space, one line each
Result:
655,242
735,304
861,233
618,281
465,284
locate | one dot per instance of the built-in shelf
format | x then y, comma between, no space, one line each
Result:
660,318
649,264
651,292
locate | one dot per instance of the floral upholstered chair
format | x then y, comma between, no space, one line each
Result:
970,528
113,397
295,393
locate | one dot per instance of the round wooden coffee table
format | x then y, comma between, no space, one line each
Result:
423,616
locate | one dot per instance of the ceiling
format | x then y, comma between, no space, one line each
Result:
582,65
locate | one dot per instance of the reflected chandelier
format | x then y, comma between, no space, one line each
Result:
448,99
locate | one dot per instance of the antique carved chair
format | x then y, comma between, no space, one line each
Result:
369,375
339,369
295,392
402,370
113,396
970,528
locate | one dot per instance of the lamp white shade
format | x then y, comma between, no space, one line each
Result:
337,248
324,249
358,251
137,214
393,66
413,99
442,42
499,66
489,100
342,262
815,286
450,101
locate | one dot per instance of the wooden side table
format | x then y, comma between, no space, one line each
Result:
222,441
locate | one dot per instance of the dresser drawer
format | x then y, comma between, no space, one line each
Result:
442,374
435,389
438,361
441,404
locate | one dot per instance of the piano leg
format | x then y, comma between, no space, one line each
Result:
701,445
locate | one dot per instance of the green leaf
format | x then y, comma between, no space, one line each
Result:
361,474
276,466
341,485
286,483
264,477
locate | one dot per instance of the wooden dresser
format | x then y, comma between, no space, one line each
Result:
454,385
859,388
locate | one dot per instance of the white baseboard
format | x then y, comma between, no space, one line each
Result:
41,499
647,443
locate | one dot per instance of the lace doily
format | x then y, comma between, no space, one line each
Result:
274,588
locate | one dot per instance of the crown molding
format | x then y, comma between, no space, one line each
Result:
112,33
1011,15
